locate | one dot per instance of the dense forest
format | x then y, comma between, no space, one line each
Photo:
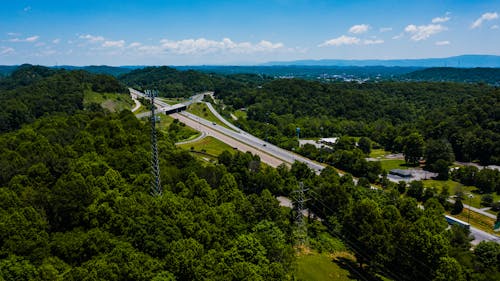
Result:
168,81
450,74
392,114
34,91
75,199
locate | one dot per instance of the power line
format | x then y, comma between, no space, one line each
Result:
359,251
156,189
301,231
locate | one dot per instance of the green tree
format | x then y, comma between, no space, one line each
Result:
449,270
413,148
488,255
441,167
365,145
416,190
458,206
438,150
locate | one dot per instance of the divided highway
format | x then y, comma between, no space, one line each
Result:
268,153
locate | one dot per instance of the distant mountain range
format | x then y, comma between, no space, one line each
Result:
463,61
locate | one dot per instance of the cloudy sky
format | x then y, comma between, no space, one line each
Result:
171,32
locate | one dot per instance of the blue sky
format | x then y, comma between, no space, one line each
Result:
164,32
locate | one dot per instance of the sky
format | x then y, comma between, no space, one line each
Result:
172,32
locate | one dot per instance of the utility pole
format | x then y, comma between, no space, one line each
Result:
301,232
155,165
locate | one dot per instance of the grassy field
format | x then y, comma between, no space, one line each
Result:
375,153
210,145
454,187
201,109
316,266
111,101
389,164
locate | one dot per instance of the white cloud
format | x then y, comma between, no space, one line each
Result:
359,28
6,51
13,34
27,39
494,27
203,46
422,32
442,43
91,38
385,29
482,18
440,19
32,38
342,40
399,36
134,45
114,44
373,41
56,41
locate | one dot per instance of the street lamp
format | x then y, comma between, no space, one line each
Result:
470,202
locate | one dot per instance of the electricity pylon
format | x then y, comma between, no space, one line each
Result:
301,231
155,165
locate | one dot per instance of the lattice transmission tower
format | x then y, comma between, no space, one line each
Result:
301,231
155,164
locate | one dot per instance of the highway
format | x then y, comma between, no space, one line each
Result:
268,153
250,140
239,135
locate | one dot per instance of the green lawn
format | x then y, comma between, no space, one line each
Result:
315,266
375,153
454,187
111,101
210,145
389,164
201,109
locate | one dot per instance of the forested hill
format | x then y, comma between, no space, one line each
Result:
168,81
100,69
75,202
33,91
465,75
466,115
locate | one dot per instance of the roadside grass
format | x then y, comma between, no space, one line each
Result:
114,102
477,220
165,121
185,133
173,101
142,109
208,145
316,266
201,109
